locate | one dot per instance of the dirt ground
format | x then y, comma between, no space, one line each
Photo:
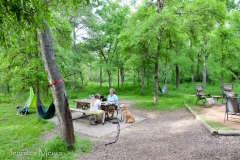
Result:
216,114
161,136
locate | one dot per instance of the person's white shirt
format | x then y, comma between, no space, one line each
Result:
95,106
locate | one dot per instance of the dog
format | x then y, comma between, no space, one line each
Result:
127,117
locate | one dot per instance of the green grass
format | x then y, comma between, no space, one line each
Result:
216,125
21,137
23,133
174,98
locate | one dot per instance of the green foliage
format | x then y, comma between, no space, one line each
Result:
121,42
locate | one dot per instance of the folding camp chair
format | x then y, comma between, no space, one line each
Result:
228,91
201,96
232,106
23,110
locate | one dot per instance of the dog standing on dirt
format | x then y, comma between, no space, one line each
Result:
127,117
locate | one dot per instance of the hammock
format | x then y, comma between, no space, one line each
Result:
46,114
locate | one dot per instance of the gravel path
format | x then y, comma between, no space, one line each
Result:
164,135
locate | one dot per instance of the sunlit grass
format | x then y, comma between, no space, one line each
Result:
22,133
216,125
21,137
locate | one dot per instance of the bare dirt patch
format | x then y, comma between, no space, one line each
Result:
216,114
164,135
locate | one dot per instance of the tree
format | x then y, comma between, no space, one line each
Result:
29,14
103,31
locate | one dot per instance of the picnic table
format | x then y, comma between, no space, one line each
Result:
83,106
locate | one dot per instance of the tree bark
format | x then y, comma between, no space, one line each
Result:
58,90
177,77
122,75
204,81
157,58
118,77
198,67
82,78
100,72
38,101
156,77
143,77
109,79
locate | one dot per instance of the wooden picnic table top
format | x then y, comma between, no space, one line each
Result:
217,96
88,101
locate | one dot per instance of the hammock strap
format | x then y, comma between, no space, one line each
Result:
56,82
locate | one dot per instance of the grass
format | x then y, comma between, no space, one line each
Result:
174,98
216,125
22,134
21,138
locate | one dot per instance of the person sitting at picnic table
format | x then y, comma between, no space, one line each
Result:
112,98
95,108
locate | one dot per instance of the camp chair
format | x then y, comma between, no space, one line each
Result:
201,96
23,110
228,90
232,106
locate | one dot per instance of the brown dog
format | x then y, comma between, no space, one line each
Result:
127,116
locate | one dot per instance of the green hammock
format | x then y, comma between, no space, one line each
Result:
46,114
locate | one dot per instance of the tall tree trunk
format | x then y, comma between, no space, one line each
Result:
82,78
73,83
156,79
204,81
160,4
122,75
38,100
100,77
100,72
221,83
118,77
177,77
8,88
74,59
198,67
58,90
143,77
134,78
109,79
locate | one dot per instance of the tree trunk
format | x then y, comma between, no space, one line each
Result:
134,78
109,79
177,77
198,67
122,75
81,77
38,101
8,88
157,58
118,77
204,72
221,83
143,77
73,83
74,59
58,90
100,72
100,77
156,76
